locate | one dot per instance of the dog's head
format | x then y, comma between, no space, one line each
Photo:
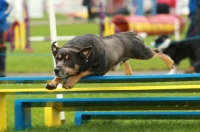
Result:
69,61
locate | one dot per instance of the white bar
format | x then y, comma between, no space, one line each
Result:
62,114
65,37
52,21
53,33
43,38
177,29
36,38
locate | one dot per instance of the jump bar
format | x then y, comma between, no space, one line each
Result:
136,78
23,106
126,89
80,117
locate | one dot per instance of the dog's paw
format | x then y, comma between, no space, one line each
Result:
68,86
50,86
171,64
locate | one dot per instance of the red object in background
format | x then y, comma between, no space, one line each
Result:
152,25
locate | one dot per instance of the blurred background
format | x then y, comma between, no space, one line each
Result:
28,37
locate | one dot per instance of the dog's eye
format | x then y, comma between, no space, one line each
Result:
57,58
67,57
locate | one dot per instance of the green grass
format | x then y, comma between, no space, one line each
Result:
102,125
46,17
65,30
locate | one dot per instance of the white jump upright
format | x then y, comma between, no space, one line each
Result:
53,34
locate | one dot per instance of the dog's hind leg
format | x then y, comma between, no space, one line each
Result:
127,69
190,69
168,61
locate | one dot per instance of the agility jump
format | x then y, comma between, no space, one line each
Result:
76,90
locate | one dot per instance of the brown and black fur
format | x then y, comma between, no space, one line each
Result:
91,55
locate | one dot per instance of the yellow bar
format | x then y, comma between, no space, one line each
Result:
16,38
112,28
106,27
51,117
3,112
99,89
22,35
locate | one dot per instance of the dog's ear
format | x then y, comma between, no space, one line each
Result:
54,48
85,52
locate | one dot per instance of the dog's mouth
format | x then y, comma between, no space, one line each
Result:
65,72
62,75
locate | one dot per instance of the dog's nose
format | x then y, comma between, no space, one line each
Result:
56,70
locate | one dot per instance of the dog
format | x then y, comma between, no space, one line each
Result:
91,55
179,50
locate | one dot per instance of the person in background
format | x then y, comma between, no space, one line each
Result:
3,26
194,31
192,6
165,6
192,9
196,25
88,4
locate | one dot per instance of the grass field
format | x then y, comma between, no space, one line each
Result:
102,125
40,60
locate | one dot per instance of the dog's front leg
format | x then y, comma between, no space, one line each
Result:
74,79
53,84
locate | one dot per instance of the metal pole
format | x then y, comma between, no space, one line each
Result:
101,19
53,33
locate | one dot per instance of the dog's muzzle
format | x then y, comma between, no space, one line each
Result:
58,72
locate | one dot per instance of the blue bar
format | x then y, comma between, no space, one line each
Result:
79,117
151,102
23,106
22,116
156,77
